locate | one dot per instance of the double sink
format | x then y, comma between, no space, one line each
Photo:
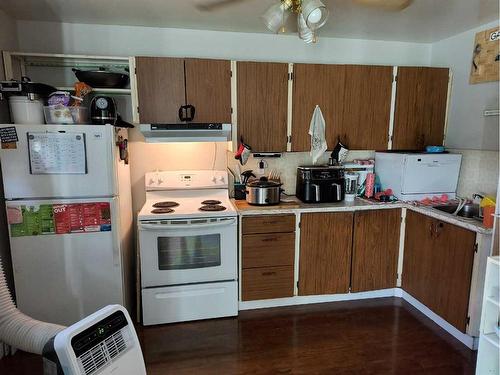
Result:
468,211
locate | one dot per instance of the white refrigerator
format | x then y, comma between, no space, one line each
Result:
69,211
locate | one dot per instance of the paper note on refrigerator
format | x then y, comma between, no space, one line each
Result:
57,153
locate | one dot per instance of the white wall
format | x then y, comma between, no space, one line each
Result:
129,41
467,127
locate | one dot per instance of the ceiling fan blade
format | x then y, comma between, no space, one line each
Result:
386,4
217,4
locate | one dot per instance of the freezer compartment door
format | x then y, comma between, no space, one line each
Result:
60,161
61,278
431,173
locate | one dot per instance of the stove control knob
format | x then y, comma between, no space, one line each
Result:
222,179
151,181
214,180
160,181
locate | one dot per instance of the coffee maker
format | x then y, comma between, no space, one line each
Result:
320,183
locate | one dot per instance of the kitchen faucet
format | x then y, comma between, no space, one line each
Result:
481,197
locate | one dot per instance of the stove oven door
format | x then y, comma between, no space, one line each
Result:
176,252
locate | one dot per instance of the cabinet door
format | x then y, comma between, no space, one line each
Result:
437,267
366,107
316,84
325,253
418,274
160,89
267,282
263,105
375,250
420,114
208,89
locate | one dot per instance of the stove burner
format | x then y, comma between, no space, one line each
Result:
211,202
162,211
212,207
166,204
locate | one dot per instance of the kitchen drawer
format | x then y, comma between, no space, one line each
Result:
268,224
267,282
268,250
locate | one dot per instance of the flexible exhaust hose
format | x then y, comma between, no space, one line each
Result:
19,330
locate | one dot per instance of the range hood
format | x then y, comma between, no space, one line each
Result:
186,132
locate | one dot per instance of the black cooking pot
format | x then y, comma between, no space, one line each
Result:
102,78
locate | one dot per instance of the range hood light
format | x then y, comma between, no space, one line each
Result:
191,132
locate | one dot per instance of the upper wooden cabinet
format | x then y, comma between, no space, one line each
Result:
160,88
420,113
317,84
263,105
208,89
325,253
164,84
375,249
355,101
437,266
366,107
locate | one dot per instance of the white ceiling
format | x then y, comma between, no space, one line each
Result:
423,21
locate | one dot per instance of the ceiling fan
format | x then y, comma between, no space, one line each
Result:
311,14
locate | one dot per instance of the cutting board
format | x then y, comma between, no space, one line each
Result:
243,205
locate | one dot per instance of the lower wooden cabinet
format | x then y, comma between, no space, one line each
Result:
267,282
437,266
267,256
375,249
325,253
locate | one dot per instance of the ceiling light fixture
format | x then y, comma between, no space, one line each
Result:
311,16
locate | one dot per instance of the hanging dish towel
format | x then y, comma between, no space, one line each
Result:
317,133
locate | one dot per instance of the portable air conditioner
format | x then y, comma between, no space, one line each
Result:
103,343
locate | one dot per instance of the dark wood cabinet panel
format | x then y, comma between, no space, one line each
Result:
271,249
263,105
267,282
317,84
268,224
420,112
325,253
375,249
208,89
366,107
437,267
160,88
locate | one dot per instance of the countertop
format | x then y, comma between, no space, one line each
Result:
359,204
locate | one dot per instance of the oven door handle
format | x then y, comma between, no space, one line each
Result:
221,223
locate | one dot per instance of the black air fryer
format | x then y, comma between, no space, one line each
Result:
320,184
103,110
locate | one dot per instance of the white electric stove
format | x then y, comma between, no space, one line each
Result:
188,247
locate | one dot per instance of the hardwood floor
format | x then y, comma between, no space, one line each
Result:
379,336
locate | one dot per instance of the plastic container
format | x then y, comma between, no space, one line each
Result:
61,115
488,216
25,111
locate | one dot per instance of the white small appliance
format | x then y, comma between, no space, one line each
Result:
103,343
69,210
415,176
188,247
351,186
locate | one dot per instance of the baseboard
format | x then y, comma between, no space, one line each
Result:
469,341
303,300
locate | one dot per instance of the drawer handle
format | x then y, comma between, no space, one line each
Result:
269,222
269,273
270,239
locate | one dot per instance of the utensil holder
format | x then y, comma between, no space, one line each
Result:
239,191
